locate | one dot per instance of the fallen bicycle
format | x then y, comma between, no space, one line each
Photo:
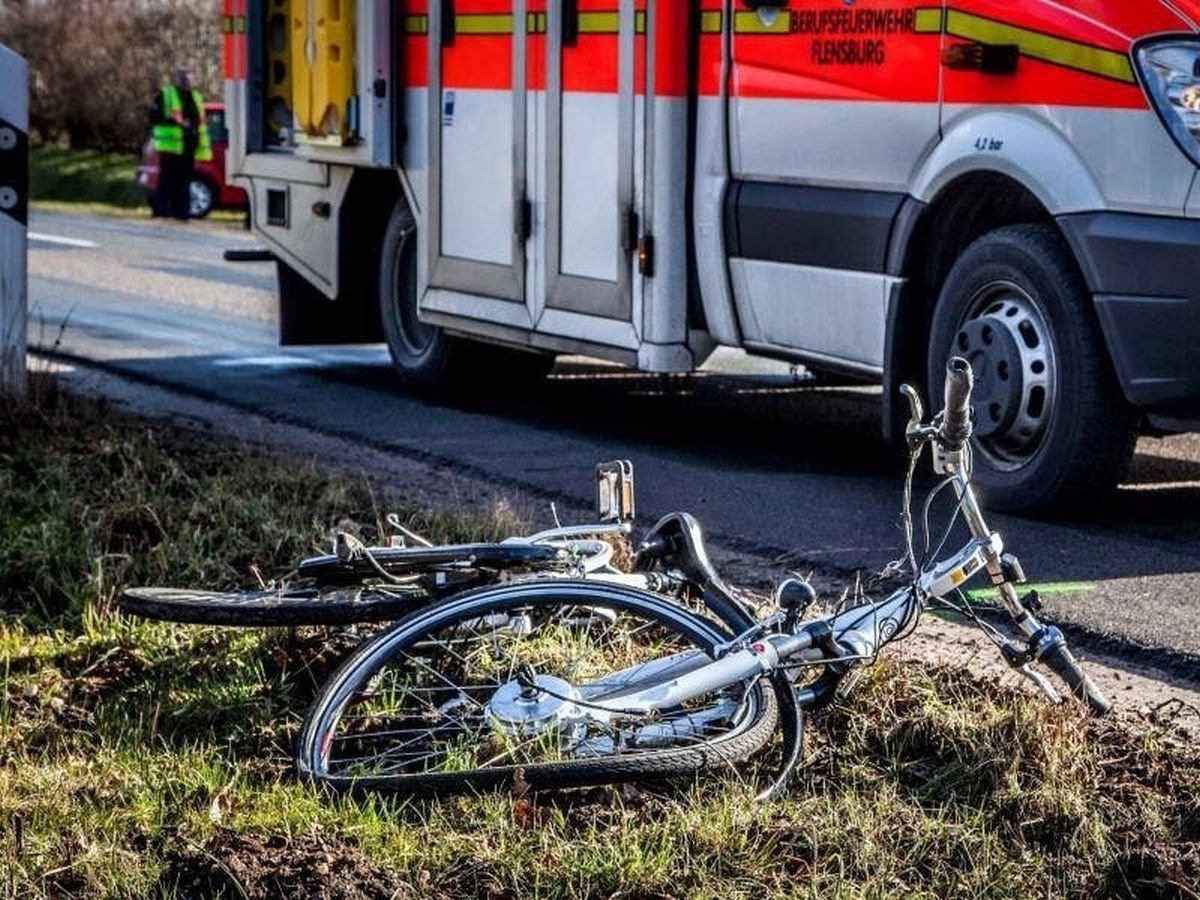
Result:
551,666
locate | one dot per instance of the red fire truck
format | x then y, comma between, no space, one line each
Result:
862,186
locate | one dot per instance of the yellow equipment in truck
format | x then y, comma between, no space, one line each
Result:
322,53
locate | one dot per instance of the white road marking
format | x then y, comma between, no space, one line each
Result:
309,359
65,241
272,362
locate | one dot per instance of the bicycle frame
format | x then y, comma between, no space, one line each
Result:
853,636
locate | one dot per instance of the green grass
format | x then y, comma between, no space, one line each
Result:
84,176
147,759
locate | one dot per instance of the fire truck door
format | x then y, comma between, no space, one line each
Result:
832,105
477,147
589,157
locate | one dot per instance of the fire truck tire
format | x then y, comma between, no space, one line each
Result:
1052,428
424,355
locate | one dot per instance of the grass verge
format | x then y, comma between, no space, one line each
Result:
84,176
145,759
94,182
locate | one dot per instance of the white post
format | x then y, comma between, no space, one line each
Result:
14,211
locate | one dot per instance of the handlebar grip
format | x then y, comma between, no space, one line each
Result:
1058,659
956,416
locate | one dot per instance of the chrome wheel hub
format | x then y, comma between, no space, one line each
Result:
1007,341
200,198
532,709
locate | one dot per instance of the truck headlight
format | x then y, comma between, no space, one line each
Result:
1171,71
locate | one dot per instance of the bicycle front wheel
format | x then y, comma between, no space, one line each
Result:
502,686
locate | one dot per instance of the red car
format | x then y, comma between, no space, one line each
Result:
209,189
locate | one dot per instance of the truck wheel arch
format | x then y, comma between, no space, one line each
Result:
1029,150
926,240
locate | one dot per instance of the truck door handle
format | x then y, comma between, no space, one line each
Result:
570,23
990,59
447,25
764,4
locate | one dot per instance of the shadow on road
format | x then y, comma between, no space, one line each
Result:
810,462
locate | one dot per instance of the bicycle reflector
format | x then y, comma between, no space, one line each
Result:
614,491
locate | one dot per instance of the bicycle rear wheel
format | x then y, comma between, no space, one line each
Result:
493,687
283,606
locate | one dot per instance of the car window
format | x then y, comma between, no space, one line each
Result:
216,127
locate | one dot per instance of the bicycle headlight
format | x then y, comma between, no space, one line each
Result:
1171,71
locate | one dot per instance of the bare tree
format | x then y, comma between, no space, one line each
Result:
95,64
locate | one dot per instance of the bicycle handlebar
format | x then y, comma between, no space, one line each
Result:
956,416
1058,659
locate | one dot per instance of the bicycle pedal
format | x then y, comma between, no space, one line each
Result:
849,681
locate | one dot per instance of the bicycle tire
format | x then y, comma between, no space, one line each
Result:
292,606
332,569
365,665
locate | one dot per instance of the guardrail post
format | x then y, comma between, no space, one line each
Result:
14,214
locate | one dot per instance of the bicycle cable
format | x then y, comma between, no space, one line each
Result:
895,566
358,547
989,630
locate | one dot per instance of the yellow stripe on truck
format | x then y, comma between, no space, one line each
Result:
600,22
751,22
928,21
1034,44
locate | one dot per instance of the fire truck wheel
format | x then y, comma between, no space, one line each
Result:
1051,425
423,354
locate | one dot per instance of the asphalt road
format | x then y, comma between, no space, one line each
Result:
768,463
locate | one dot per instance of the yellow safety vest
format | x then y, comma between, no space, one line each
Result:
168,135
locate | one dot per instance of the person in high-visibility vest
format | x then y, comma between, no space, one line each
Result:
180,138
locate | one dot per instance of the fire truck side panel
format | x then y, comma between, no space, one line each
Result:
661,84
712,179
711,183
589,185
599,160
282,216
665,306
587,188
845,329
475,175
476,107
832,109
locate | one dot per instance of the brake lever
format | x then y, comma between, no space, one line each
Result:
916,432
916,409
1042,682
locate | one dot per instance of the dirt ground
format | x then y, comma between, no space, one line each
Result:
233,865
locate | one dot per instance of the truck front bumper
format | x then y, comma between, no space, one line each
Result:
1144,272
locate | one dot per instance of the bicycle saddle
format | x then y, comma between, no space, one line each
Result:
677,542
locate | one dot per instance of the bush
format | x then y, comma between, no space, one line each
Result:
95,64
